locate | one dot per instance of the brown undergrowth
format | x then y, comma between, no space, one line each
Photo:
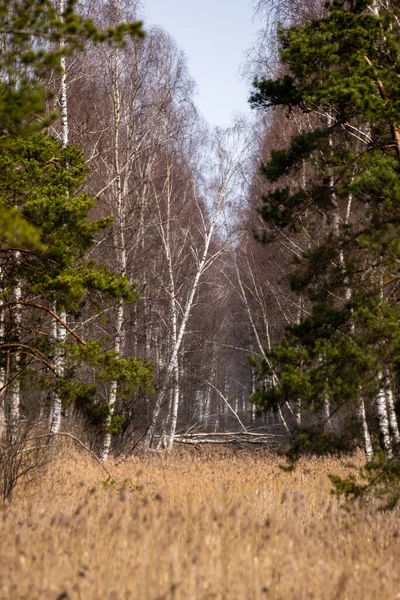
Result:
194,525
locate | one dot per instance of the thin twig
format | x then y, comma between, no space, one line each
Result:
48,310
78,441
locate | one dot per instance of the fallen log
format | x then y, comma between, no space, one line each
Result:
272,440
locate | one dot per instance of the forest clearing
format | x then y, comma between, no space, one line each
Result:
159,276
195,524
199,326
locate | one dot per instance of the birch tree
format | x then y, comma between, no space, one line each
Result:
147,87
59,332
210,212
57,271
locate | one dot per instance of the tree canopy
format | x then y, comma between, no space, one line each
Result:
342,72
47,231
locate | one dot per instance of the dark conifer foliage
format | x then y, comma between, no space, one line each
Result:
46,230
341,72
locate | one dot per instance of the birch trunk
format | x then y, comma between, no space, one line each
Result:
392,412
14,408
297,411
208,393
63,90
112,396
336,232
175,406
175,350
3,378
164,227
199,403
366,435
283,420
60,332
207,407
120,248
15,387
368,449
253,389
382,414
327,414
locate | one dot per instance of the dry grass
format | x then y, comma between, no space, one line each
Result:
194,525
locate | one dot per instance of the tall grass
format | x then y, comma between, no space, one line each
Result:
194,525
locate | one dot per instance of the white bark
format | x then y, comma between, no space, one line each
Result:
207,407
60,332
208,395
199,402
164,227
382,414
394,427
223,175
297,413
63,90
120,247
14,408
3,378
253,389
175,350
15,387
327,413
366,435
112,396
336,232
284,422
60,335
174,407
226,406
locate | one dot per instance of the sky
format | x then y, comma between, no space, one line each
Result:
214,35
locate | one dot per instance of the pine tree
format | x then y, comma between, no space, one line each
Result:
31,32
35,174
342,71
46,229
30,36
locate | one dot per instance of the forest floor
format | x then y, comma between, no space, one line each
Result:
195,524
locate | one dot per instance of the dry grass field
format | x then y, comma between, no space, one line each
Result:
194,525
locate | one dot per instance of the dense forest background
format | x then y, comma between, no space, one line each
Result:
162,282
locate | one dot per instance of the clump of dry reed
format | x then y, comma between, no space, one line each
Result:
194,525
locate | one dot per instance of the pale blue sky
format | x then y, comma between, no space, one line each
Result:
214,35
